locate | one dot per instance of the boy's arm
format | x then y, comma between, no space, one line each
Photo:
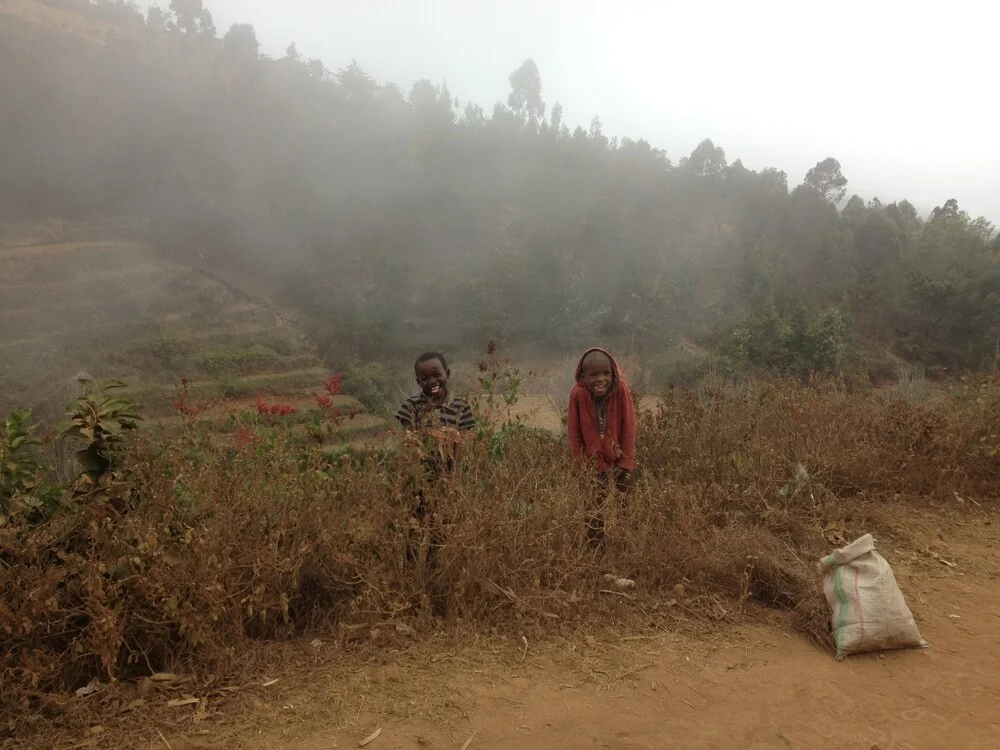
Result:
467,420
404,415
573,433
629,430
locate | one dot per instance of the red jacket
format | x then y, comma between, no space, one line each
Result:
616,448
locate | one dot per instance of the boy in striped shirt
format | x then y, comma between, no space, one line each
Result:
435,414
434,408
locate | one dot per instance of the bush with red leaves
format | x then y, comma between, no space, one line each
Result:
186,408
333,384
275,409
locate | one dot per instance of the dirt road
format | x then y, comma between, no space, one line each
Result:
758,686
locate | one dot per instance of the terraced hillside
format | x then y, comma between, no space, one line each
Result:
116,309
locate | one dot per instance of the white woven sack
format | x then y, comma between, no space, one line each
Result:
868,610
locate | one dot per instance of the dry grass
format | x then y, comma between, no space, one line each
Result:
221,547
851,441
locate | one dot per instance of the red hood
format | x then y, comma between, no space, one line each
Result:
616,372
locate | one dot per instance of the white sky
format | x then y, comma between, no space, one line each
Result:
905,94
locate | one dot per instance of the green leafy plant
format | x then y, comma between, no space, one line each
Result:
500,387
21,471
369,383
99,419
789,343
20,466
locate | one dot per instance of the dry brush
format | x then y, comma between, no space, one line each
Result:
222,544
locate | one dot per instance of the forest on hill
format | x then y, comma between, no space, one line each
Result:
391,220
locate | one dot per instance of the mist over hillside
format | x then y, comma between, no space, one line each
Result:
385,221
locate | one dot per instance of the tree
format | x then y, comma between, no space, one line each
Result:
445,107
707,159
431,104
526,93
775,179
983,229
355,81
424,96
641,151
555,120
317,70
878,240
474,116
948,211
596,133
855,209
240,43
157,19
905,216
292,53
827,180
736,171
192,17
953,288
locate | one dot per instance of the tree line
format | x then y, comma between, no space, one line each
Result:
393,219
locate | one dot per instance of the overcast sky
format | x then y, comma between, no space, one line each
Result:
905,94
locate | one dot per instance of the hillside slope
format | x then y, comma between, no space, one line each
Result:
63,18
119,309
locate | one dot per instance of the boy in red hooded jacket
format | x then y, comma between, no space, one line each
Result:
601,424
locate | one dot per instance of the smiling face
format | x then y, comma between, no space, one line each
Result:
432,377
597,374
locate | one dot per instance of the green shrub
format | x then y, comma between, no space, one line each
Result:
170,352
98,421
370,384
238,360
678,368
20,466
511,433
787,343
22,487
233,387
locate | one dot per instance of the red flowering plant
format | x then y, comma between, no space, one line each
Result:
330,415
275,409
333,384
187,408
251,424
245,438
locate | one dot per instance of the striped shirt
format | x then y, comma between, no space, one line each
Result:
417,412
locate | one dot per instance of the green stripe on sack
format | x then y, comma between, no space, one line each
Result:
838,589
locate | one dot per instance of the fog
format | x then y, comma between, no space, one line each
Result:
705,188
901,94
